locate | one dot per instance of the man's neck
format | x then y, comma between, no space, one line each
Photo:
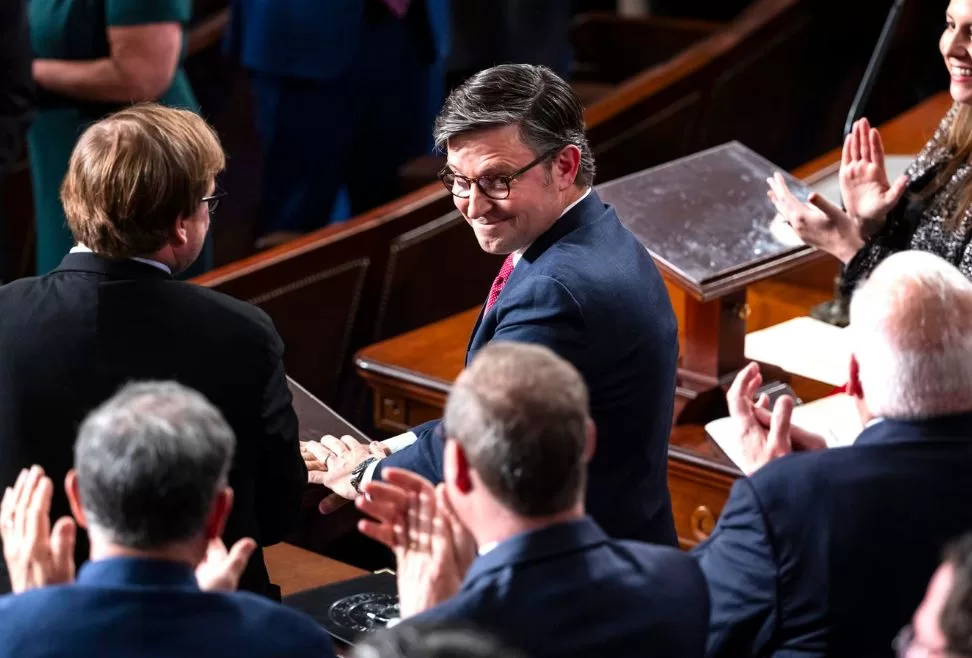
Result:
504,524
186,553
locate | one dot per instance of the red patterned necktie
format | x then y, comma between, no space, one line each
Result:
494,292
398,7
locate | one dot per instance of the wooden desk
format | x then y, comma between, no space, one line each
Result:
294,569
411,374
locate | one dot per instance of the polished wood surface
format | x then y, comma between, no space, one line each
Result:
294,569
411,374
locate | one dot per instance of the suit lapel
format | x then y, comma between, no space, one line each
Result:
588,210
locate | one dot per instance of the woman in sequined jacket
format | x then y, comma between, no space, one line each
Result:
928,208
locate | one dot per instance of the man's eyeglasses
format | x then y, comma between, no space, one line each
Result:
213,200
495,187
905,644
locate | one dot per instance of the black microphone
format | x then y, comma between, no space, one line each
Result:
874,66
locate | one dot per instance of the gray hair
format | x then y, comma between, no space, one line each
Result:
911,332
149,463
545,108
520,412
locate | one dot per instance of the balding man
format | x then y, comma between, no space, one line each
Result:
828,552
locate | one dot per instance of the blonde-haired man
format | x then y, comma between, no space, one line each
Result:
138,195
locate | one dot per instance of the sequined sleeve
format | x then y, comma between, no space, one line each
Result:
901,223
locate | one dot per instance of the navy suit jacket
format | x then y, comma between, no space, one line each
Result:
136,607
588,290
570,591
829,553
315,39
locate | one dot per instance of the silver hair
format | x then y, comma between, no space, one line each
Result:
149,463
520,413
545,108
911,333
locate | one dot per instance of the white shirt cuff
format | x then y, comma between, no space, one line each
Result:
394,444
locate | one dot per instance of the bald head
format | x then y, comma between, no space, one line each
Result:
911,328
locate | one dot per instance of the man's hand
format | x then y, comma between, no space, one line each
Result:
426,557
220,570
331,461
36,556
388,503
764,434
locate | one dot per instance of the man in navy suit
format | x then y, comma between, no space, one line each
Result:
575,280
827,553
150,485
547,578
346,92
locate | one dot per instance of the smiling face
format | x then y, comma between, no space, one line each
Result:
956,48
537,197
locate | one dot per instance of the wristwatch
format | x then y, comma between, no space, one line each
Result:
359,472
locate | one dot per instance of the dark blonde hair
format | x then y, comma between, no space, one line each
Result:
957,140
134,173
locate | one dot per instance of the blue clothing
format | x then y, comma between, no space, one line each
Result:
569,591
138,607
588,290
316,40
829,553
345,94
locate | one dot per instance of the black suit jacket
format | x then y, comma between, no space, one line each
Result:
71,338
829,553
589,291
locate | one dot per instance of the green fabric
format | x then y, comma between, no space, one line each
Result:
76,29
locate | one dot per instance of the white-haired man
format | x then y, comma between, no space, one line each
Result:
828,552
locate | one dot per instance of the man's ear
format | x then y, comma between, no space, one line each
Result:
74,498
590,445
566,166
218,513
456,467
179,236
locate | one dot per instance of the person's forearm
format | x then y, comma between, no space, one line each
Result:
100,80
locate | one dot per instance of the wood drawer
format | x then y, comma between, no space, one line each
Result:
698,496
395,412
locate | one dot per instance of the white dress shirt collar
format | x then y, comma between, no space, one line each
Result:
82,249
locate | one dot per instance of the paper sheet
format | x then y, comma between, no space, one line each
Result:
835,418
803,346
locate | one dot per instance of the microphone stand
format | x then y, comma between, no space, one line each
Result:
835,311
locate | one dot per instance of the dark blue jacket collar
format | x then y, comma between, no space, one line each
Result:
116,269
137,572
953,427
588,210
538,545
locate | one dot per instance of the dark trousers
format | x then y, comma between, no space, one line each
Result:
354,130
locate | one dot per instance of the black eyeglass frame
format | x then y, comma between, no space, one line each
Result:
507,179
212,201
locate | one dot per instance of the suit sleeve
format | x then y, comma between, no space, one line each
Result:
741,571
545,313
423,457
281,473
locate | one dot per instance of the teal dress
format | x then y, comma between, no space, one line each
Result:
77,30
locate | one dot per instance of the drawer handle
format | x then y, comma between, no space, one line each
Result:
393,406
703,522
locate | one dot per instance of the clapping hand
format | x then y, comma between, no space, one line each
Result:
221,569
818,222
35,554
432,548
764,434
868,195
